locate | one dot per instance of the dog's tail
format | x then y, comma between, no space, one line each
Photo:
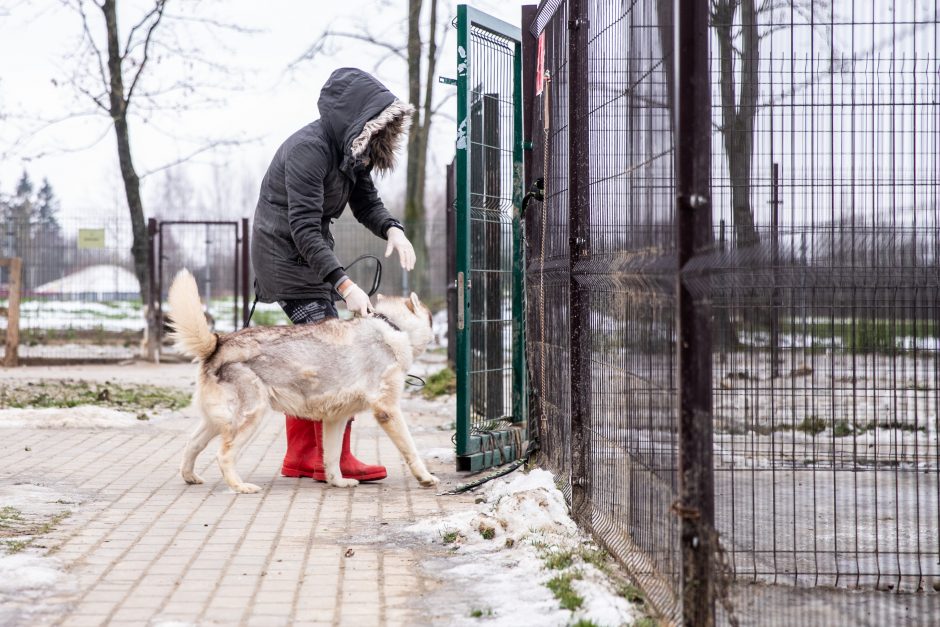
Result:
190,329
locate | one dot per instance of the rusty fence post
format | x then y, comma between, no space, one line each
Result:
693,237
579,249
15,286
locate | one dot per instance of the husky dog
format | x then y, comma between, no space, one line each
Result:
326,371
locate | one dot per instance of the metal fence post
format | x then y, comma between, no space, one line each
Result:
775,290
152,322
246,270
464,295
579,249
696,506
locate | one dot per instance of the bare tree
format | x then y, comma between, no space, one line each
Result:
420,54
738,110
739,36
111,69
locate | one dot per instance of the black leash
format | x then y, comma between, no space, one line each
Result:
377,277
251,313
376,282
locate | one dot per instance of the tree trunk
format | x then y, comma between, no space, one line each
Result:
737,119
118,108
414,189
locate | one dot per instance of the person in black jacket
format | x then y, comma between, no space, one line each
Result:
313,175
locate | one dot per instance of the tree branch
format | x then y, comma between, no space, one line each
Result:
130,36
206,148
160,5
86,30
365,37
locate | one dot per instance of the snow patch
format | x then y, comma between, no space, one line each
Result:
80,417
439,328
28,579
26,574
499,551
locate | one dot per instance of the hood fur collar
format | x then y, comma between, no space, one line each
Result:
381,136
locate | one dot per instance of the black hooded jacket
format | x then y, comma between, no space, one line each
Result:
310,180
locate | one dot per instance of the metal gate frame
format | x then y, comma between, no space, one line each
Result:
479,448
242,266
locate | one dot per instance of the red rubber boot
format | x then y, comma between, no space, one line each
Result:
352,468
304,456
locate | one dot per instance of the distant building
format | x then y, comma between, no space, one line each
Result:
95,283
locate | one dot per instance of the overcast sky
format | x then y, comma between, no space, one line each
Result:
38,44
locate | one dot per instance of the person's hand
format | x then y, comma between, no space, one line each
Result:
398,242
357,301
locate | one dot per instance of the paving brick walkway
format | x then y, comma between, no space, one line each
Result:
144,548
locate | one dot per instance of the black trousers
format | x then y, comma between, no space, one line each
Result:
305,311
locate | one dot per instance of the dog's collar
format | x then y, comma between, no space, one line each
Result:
376,314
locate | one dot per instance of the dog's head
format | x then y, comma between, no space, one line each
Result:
411,316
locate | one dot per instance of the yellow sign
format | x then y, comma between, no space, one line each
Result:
91,238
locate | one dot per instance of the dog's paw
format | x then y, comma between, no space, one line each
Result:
192,478
343,482
247,488
429,482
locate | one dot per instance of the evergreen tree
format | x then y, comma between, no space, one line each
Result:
32,232
47,206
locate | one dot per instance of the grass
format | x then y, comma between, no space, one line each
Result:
842,429
487,532
136,398
568,561
584,622
19,533
449,537
646,621
630,592
15,546
10,518
891,424
442,382
812,425
559,560
561,587
865,336
478,613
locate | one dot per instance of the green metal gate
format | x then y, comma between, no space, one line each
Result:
491,416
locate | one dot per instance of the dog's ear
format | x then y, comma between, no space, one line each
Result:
414,304
411,306
378,297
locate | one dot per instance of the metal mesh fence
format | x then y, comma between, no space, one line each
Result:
81,301
491,427
491,137
80,298
821,272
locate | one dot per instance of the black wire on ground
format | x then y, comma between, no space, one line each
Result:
502,472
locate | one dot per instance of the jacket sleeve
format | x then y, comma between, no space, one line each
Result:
304,172
368,207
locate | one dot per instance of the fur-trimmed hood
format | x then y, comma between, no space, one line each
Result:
365,121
